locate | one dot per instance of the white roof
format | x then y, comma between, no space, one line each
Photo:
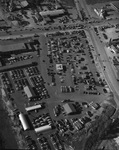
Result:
43,128
59,67
33,107
28,92
24,122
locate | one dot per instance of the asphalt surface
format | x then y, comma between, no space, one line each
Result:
99,47
104,61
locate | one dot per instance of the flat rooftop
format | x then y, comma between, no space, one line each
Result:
12,47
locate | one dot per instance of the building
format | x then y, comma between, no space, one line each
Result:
43,128
31,108
11,47
24,121
59,67
18,45
29,92
52,12
69,108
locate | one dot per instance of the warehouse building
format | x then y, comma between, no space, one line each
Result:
29,92
18,45
69,108
31,108
24,121
43,128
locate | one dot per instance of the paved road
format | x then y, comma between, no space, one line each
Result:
99,47
40,30
78,7
108,72
83,4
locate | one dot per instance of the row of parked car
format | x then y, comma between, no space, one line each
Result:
39,87
44,144
17,74
31,71
80,32
57,110
93,93
19,84
63,126
56,142
7,83
36,80
64,28
30,143
42,120
14,59
67,89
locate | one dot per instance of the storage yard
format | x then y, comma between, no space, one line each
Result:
43,95
55,78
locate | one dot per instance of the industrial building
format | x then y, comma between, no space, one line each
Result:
31,108
29,92
69,108
24,121
18,45
43,128
52,13
12,47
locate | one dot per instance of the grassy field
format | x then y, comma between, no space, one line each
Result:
98,1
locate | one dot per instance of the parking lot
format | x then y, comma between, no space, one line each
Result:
64,75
